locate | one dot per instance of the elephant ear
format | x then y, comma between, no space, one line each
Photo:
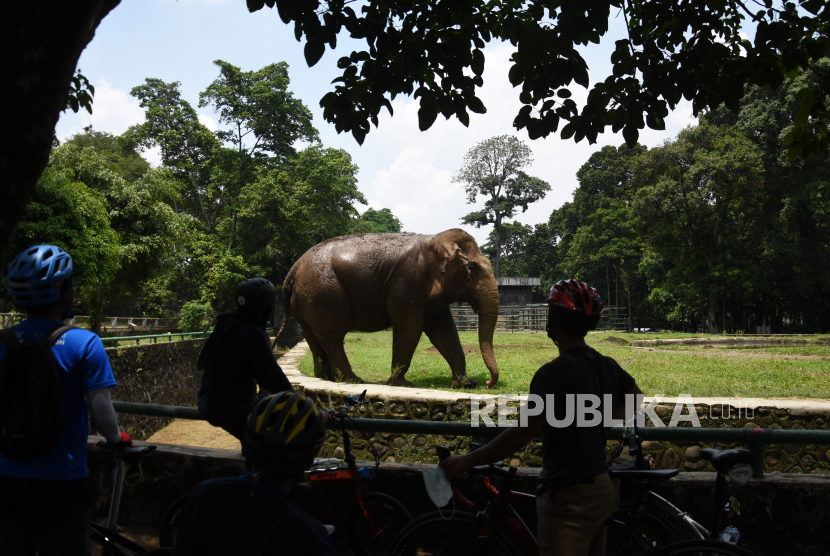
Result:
452,270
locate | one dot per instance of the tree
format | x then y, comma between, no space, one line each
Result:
493,168
433,51
69,213
289,209
42,42
123,159
697,209
795,209
606,236
381,220
256,104
514,254
692,50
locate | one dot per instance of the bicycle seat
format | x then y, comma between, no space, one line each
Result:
647,475
724,459
127,453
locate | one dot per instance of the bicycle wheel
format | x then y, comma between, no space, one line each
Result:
171,522
623,539
455,533
388,516
704,548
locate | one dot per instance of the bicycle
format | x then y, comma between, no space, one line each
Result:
372,520
462,533
107,537
651,521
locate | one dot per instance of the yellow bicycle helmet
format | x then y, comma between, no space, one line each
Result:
283,433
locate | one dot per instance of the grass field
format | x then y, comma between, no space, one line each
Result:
770,372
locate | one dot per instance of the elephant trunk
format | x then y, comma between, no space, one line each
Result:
488,314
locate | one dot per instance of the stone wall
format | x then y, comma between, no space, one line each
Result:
780,514
163,373
293,333
392,447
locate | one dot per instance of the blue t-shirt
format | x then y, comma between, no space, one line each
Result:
81,355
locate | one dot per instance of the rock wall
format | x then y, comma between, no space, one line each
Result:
780,514
391,447
293,334
163,373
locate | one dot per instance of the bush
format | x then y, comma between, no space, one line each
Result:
195,316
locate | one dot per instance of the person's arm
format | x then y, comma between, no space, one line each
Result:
103,415
504,445
619,410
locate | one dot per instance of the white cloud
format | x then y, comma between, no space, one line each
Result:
208,122
113,111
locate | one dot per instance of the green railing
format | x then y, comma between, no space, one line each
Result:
155,337
756,440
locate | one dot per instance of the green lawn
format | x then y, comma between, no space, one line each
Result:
802,371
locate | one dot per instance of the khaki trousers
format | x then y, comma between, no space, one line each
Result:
572,520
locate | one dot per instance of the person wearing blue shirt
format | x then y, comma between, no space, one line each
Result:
45,507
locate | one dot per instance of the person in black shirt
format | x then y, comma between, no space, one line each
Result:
252,515
237,357
575,495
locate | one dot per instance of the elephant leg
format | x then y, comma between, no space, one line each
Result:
441,331
321,365
405,338
339,366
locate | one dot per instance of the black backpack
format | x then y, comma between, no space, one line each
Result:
30,397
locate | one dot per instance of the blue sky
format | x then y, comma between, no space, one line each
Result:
401,168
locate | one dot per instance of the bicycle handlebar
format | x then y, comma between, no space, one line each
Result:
127,452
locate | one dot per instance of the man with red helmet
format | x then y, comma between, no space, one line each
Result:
575,494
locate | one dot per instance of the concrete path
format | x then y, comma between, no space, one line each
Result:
290,361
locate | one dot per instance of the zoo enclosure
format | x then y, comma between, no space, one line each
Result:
531,317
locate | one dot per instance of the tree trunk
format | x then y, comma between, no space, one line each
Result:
628,289
607,284
497,258
711,319
42,41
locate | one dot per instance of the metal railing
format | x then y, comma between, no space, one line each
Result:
8,319
515,318
756,440
155,337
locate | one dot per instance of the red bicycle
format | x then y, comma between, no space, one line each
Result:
459,532
374,519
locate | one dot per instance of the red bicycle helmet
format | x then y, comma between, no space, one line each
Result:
575,304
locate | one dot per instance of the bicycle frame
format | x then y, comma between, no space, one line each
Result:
107,535
350,475
500,508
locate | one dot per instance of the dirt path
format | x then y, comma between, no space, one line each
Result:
195,433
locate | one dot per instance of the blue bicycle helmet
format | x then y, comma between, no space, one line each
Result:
37,275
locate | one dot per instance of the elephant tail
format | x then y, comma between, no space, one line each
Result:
287,292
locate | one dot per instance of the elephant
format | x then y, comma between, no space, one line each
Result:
370,282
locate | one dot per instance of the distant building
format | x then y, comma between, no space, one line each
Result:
516,291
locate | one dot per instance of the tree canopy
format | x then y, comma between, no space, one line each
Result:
494,169
434,51
223,206
381,220
715,229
